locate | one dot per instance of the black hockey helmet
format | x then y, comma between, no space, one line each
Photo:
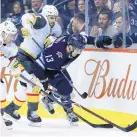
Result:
77,41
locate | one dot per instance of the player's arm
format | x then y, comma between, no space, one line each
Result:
100,42
28,21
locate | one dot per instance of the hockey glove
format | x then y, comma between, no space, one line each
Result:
38,85
49,40
25,32
15,68
103,42
118,42
36,89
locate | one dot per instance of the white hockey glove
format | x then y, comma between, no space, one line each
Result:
15,68
49,40
38,85
25,32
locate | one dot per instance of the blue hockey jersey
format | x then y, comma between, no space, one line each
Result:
55,56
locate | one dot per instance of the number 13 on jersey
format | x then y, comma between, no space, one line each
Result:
49,58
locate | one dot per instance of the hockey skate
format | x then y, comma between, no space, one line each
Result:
72,118
8,123
11,112
48,104
34,119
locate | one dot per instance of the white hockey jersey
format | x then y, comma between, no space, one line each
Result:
6,53
39,29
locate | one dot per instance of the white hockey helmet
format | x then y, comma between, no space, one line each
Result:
49,10
8,27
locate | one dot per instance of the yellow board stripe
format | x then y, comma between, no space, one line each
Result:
119,118
34,98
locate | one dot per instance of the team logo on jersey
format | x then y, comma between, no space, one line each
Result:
60,55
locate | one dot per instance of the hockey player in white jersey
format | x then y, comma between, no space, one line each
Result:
51,13
28,52
35,30
8,51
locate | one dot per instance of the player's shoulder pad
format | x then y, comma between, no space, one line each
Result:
40,21
61,39
28,18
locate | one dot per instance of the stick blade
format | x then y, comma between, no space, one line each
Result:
84,95
131,127
103,126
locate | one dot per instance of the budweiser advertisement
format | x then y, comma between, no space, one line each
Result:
109,77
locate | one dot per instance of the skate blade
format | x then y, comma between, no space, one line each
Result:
6,115
32,124
74,123
9,127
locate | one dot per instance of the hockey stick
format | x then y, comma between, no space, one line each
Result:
84,95
80,117
126,129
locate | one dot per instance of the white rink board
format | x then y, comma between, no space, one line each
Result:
94,71
114,66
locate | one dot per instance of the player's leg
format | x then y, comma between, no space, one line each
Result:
32,98
65,89
41,74
19,99
32,102
48,104
3,104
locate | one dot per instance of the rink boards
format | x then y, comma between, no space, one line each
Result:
109,78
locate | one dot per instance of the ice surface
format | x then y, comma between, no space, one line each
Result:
61,128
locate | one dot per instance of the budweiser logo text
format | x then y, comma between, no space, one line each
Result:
103,84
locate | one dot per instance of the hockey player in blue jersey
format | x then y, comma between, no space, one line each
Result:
61,53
